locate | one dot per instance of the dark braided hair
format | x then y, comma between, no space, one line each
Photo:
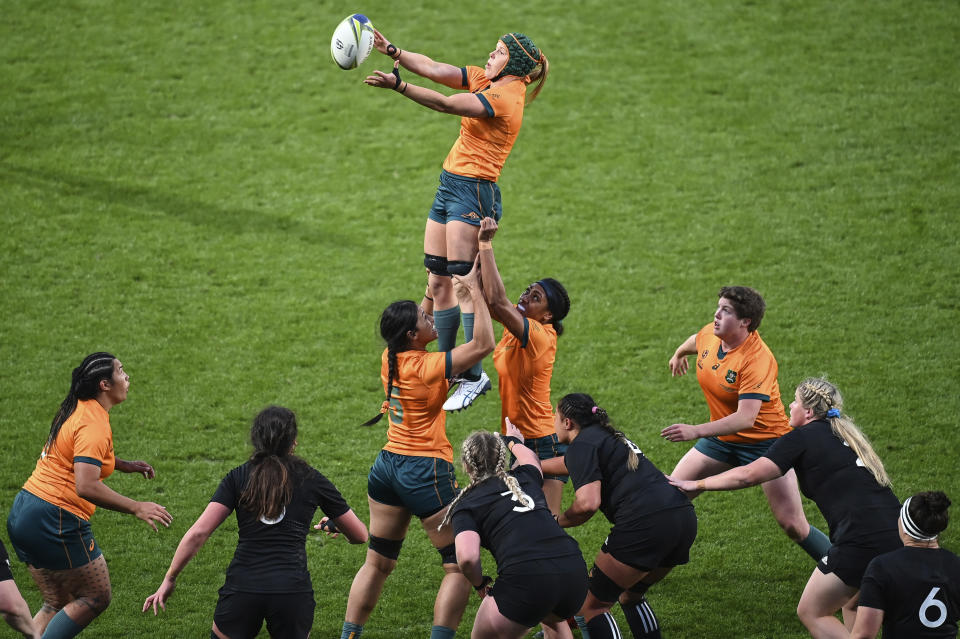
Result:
84,384
928,510
484,455
275,467
396,321
557,301
581,409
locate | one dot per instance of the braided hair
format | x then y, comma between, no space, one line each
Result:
581,409
84,384
396,321
484,455
275,467
820,396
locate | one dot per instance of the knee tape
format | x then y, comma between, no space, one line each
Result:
602,587
436,264
448,554
457,267
639,588
389,548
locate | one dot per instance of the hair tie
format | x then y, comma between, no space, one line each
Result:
833,412
911,528
594,409
384,407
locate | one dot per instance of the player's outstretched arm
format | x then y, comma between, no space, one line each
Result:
439,72
679,363
193,540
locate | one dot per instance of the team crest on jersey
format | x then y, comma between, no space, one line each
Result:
731,376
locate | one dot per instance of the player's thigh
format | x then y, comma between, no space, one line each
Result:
824,595
388,522
696,465
435,238
491,624
462,243
783,495
439,538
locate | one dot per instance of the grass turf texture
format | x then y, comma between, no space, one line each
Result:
200,190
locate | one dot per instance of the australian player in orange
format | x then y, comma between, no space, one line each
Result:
413,475
491,106
49,523
738,376
524,359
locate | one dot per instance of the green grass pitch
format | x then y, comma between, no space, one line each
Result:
196,187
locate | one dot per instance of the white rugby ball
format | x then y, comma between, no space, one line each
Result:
352,41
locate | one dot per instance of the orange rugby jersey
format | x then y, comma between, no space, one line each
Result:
484,143
525,366
417,420
86,437
746,372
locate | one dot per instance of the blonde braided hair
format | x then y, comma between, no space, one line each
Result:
820,396
483,455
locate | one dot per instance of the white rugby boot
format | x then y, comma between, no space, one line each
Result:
467,392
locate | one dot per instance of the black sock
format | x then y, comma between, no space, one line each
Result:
603,627
643,623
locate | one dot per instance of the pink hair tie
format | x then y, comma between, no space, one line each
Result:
594,409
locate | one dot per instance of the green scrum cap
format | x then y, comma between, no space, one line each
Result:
524,55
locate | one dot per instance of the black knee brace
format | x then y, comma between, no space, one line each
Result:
457,267
448,554
436,264
602,587
389,548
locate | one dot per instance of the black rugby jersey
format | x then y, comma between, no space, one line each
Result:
514,531
596,454
271,556
918,590
858,510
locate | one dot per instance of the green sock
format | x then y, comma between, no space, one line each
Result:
62,627
442,632
447,323
476,369
351,630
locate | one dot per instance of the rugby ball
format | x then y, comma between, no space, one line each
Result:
352,41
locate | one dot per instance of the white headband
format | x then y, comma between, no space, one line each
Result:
911,528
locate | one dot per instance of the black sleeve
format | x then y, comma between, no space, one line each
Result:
463,520
872,587
528,471
583,464
229,490
787,450
327,497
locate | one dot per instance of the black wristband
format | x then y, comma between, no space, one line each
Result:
510,439
487,580
396,74
329,526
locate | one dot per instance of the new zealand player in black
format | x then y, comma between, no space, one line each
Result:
838,469
914,592
275,495
653,523
541,575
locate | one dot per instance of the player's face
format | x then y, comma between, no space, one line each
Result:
498,59
533,304
426,332
119,383
726,324
798,414
561,426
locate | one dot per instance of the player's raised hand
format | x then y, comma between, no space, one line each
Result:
488,228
